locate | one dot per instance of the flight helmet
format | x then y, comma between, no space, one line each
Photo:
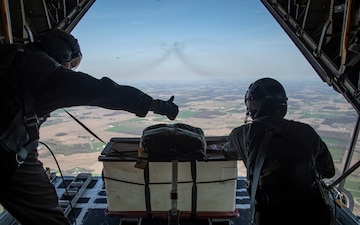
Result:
266,97
61,46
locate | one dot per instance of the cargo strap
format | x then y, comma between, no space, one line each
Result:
193,194
147,191
194,189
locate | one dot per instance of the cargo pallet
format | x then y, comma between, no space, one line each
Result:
150,195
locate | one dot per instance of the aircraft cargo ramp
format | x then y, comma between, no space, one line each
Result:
88,204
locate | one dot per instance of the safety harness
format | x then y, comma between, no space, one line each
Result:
22,134
270,130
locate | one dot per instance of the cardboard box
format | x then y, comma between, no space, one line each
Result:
125,184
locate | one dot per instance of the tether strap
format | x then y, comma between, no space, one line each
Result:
258,166
84,126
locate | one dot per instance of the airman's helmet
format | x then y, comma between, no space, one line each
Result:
266,97
61,46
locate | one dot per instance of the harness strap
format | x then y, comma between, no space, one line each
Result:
24,151
26,123
32,123
258,166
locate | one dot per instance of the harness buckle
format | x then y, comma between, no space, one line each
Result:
31,120
19,160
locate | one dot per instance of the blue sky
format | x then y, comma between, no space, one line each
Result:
186,39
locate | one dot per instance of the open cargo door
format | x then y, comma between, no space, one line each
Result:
327,34
22,20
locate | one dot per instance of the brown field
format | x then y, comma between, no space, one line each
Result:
71,131
75,149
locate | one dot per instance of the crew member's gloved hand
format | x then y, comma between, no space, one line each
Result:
167,108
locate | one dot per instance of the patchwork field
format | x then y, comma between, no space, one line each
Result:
215,107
